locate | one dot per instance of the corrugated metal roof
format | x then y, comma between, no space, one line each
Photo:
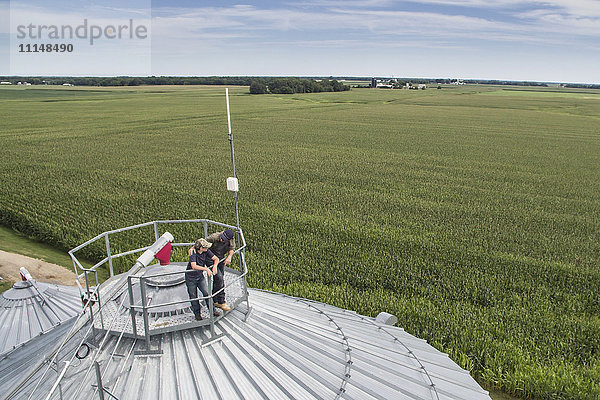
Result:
27,312
26,359
287,348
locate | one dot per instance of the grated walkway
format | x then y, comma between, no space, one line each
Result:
115,315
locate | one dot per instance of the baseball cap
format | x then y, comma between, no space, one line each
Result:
202,243
227,235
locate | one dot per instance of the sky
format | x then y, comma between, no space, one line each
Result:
549,40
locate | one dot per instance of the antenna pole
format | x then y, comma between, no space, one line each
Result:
230,135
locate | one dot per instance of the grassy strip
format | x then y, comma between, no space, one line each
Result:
15,242
5,285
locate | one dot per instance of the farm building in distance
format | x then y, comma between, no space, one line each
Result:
383,83
394,83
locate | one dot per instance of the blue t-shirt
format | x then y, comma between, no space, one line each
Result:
200,259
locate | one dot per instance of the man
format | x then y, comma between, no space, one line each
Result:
194,279
223,246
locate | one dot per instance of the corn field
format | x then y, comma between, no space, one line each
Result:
472,213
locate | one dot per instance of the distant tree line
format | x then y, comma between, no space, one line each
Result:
476,81
295,85
132,81
448,81
260,84
257,85
582,86
511,83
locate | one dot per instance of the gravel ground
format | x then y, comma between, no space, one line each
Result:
40,270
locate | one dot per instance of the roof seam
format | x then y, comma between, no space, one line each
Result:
348,366
409,352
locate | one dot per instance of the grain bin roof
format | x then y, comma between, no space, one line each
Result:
288,348
26,313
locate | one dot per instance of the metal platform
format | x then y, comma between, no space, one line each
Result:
152,299
115,316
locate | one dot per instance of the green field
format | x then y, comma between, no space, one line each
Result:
472,213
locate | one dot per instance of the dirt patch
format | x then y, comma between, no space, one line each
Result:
40,270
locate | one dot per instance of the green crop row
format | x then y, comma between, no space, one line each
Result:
471,213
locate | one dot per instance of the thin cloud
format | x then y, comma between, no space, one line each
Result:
343,3
350,19
331,19
128,11
22,13
354,43
573,8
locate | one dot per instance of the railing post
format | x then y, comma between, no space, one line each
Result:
205,229
110,265
131,305
156,231
89,304
74,265
98,299
239,243
145,311
99,380
245,284
211,308
243,267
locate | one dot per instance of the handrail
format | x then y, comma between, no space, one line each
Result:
136,307
183,221
94,294
110,257
145,308
77,264
211,295
82,318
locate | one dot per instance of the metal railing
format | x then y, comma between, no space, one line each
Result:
92,293
145,308
94,301
110,257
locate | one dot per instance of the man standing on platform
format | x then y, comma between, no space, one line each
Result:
223,246
199,258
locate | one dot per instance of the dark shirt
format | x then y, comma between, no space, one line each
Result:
220,249
201,259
